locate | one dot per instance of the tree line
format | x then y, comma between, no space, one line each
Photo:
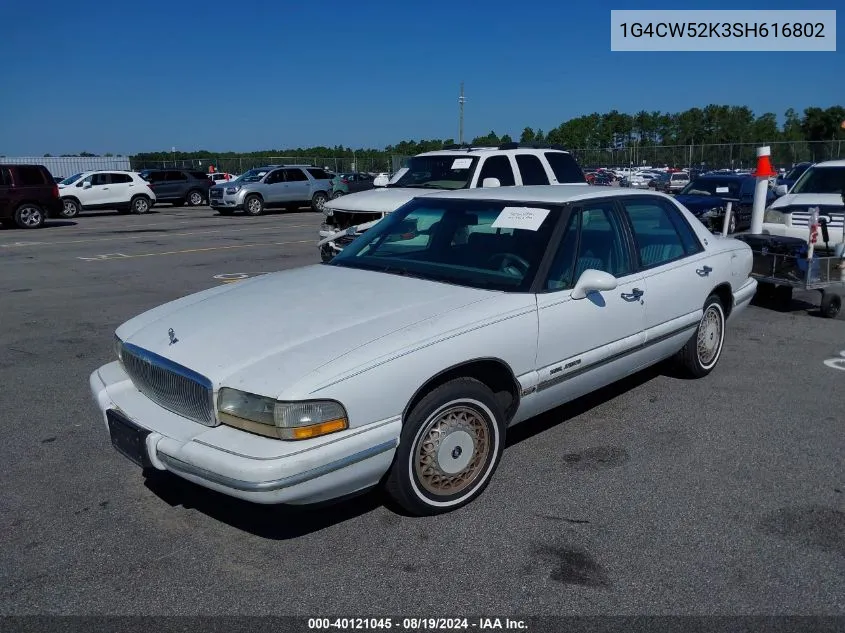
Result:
713,124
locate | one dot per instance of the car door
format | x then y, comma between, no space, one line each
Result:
274,188
93,190
677,272
176,185
586,343
119,191
297,185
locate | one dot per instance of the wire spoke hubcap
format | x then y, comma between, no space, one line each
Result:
709,336
452,451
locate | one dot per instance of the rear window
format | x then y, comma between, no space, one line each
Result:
29,176
319,174
564,167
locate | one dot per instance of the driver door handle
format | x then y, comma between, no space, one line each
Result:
635,294
704,271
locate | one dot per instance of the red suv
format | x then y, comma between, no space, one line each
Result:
28,196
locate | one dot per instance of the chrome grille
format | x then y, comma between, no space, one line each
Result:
216,193
170,385
802,218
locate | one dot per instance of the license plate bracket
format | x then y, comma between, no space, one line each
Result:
129,439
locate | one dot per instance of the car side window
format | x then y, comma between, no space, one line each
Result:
99,179
29,177
692,244
655,234
565,167
497,167
595,238
5,179
295,175
120,178
531,169
176,176
275,177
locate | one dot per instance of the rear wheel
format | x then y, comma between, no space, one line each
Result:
70,208
336,195
195,198
254,205
318,201
29,216
449,448
139,205
701,353
831,305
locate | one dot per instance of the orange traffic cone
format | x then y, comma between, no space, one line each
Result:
764,164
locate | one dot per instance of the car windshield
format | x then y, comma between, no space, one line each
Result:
708,187
480,244
71,179
438,172
253,175
796,172
821,180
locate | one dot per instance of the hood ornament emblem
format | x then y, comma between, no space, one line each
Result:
172,336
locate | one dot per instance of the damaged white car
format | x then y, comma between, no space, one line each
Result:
510,164
406,359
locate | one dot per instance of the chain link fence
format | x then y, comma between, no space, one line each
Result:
710,156
241,164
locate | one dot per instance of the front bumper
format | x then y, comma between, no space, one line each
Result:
228,201
248,466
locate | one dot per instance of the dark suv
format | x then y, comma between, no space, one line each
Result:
178,186
28,196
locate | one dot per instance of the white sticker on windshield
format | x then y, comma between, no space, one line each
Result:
462,163
722,189
528,218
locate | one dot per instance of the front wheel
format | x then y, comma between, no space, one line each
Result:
253,205
701,353
140,205
450,446
336,195
318,201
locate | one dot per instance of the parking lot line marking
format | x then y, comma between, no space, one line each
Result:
103,258
115,239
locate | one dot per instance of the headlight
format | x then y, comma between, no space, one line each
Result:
713,213
234,189
773,216
281,420
118,348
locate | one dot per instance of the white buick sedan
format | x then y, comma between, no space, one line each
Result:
406,359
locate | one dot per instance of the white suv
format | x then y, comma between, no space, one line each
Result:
122,191
510,164
822,186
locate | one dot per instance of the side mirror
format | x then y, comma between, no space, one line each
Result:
86,184
781,190
491,182
592,280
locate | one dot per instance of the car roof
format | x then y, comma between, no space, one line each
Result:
831,163
552,194
479,151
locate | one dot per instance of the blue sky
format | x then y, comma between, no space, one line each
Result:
127,77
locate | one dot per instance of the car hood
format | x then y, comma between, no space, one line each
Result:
808,199
268,332
379,200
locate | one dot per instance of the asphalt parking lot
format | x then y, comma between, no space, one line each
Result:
656,496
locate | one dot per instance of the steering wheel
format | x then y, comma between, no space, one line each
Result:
510,263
